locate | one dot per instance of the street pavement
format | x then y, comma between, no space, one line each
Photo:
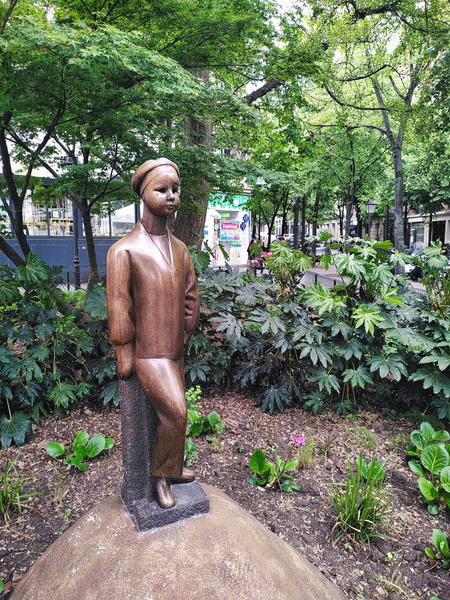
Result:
329,278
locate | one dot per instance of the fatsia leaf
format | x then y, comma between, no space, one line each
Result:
14,429
367,316
433,377
95,302
390,364
228,323
357,377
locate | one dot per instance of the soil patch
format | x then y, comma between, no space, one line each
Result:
393,568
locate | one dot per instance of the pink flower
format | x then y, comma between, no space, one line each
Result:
298,440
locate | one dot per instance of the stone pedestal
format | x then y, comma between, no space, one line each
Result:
139,425
225,554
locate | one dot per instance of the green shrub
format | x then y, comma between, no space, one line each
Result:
51,355
368,336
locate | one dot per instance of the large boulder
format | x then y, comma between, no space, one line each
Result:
223,555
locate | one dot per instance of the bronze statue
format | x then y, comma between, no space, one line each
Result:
153,309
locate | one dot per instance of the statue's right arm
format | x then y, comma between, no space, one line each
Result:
120,309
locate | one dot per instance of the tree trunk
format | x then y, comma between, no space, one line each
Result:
189,226
399,240
90,247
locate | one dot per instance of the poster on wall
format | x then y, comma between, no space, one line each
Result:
229,231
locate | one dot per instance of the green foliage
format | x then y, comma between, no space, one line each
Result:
287,266
268,474
441,551
435,278
190,451
342,345
13,489
361,502
431,450
197,424
14,428
81,449
49,359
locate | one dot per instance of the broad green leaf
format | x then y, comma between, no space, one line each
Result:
440,436
427,430
416,468
79,464
80,452
418,439
441,543
292,464
444,478
427,489
55,449
258,462
109,443
82,437
95,445
434,458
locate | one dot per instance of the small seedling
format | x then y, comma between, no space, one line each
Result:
269,474
190,452
82,449
441,550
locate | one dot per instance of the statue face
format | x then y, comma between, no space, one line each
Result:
160,196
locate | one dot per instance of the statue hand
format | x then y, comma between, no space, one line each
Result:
125,360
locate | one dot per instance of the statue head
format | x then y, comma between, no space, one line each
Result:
148,171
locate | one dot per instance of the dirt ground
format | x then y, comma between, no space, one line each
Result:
392,568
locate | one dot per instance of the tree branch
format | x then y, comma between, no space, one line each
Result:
263,90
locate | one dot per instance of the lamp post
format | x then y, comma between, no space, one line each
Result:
370,209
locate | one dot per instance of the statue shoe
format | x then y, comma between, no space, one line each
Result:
186,477
164,496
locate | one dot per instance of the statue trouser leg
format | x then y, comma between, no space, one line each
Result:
162,381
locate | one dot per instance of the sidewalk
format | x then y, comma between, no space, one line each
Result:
329,278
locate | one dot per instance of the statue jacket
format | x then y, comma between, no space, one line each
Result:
152,298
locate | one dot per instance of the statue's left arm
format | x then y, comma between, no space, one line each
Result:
191,304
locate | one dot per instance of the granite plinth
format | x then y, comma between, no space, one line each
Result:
190,499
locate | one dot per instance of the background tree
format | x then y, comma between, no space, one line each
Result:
377,59
70,95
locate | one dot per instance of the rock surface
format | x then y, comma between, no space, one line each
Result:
223,555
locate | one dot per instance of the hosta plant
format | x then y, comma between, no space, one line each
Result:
441,551
430,449
81,449
269,474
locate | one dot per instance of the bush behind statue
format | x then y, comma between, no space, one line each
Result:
50,358
370,336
